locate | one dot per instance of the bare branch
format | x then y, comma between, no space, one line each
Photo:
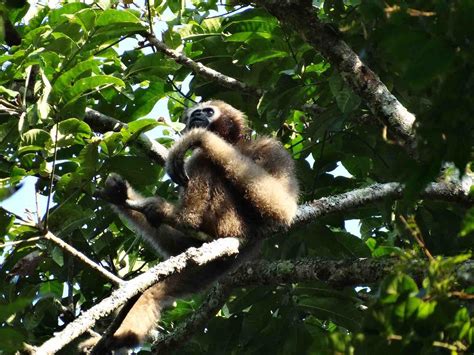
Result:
337,273
378,192
77,254
300,15
202,70
103,123
204,254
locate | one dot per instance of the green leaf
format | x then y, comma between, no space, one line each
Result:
7,310
66,79
67,218
43,105
153,64
94,83
246,36
346,100
6,221
140,171
115,17
407,310
397,286
85,18
11,340
139,126
468,223
254,56
145,100
35,139
57,16
71,131
89,160
54,288
57,256
358,166
13,94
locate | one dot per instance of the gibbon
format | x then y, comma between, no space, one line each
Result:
232,186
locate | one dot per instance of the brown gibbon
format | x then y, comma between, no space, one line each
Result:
231,186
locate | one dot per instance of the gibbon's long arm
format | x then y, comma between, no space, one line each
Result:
148,216
273,195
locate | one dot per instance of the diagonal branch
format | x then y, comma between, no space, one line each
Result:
103,123
300,15
83,258
202,70
203,255
336,273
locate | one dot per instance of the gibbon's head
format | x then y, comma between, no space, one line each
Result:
217,117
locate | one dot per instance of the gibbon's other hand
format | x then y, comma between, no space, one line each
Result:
176,171
115,190
175,163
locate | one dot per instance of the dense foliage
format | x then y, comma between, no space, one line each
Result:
59,61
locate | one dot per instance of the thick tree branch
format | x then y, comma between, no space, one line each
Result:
337,273
202,70
300,15
379,192
103,123
204,254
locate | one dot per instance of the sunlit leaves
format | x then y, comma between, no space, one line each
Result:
71,131
92,84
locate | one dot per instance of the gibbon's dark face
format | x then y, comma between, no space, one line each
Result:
218,117
202,115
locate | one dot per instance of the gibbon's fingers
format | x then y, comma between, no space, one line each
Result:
114,191
177,173
175,162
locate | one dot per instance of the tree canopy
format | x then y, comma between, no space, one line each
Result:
381,90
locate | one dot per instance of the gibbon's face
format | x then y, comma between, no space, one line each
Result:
202,115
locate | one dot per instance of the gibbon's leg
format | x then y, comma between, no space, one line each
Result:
145,313
273,195
147,223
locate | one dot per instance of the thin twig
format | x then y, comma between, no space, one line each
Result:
51,180
17,216
77,254
202,70
16,242
227,13
416,234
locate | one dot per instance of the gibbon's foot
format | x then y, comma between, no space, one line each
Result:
115,190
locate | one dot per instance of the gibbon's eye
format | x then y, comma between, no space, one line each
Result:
208,111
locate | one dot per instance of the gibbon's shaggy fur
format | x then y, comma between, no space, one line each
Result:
232,186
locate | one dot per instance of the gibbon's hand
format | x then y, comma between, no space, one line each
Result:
175,162
115,190
175,170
